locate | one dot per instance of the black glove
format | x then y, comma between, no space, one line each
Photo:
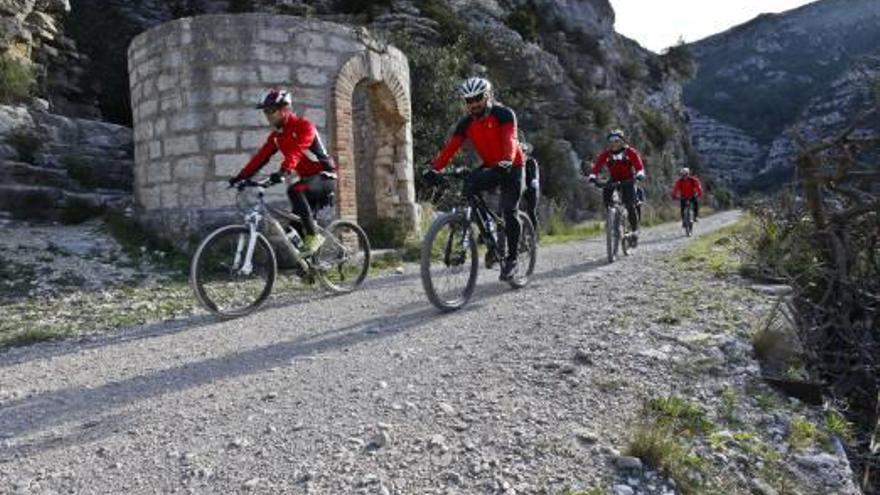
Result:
233,181
432,177
275,178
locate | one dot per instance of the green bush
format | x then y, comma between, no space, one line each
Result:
76,211
558,177
657,128
680,59
452,27
26,143
525,22
16,80
81,169
239,6
386,233
436,108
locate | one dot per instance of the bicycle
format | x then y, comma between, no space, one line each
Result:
235,267
618,236
687,217
450,260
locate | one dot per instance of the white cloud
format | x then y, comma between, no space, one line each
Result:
658,24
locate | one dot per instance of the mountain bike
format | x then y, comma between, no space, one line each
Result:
687,217
235,267
450,251
618,237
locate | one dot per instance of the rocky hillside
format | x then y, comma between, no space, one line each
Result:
559,64
801,69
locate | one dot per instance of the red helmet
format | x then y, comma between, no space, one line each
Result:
275,98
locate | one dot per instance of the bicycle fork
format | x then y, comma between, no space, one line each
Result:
247,265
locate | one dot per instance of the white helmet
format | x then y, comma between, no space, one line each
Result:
685,171
474,86
275,98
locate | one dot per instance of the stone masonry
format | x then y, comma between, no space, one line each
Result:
194,83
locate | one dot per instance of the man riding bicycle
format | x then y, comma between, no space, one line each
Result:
688,188
624,164
492,129
304,157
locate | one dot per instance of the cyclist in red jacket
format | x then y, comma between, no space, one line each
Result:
306,162
492,129
688,187
624,164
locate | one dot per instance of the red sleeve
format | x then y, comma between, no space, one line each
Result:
635,159
676,189
448,151
520,156
304,134
601,161
256,163
508,141
699,186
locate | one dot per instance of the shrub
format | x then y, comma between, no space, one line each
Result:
77,210
680,59
16,80
81,169
657,128
386,233
525,22
26,143
558,176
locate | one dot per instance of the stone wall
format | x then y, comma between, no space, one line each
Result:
194,83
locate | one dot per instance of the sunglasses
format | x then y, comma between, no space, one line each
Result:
474,99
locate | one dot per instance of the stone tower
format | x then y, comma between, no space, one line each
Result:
194,84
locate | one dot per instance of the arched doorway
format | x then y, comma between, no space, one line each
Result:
373,140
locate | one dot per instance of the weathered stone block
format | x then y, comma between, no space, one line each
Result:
310,76
191,169
183,145
224,96
252,140
229,165
241,118
155,150
318,116
275,74
158,172
234,75
223,141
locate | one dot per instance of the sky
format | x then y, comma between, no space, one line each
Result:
658,24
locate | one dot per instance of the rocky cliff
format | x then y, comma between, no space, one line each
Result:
558,63
800,70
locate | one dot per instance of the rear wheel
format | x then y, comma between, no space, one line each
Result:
449,264
610,222
688,220
343,260
527,254
220,277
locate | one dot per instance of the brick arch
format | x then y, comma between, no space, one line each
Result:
385,77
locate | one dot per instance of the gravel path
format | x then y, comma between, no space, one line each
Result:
374,392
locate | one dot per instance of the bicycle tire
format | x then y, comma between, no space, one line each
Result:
361,271
197,276
528,239
455,220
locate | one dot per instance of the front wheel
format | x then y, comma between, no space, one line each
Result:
449,262
527,254
227,281
689,221
343,260
610,227
623,235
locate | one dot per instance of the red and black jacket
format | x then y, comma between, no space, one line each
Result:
687,188
493,136
299,142
622,165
